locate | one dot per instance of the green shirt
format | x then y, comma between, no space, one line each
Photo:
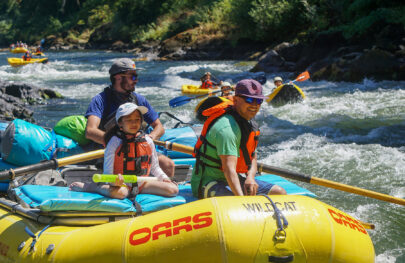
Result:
225,134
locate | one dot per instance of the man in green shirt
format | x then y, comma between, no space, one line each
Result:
226,156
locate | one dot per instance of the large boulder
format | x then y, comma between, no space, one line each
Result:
12,108
15,97
354,67
269,62
101,38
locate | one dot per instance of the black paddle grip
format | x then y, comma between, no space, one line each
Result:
33,168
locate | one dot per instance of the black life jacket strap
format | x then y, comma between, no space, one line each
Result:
110,99
132,196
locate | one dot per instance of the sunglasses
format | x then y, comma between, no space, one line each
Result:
252,100
132,76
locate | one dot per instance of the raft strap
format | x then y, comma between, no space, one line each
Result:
132,196
175,118
280,233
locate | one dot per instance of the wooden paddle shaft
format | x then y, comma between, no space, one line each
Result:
327,183
175,146
298,176
83,157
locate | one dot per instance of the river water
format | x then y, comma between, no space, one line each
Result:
352,133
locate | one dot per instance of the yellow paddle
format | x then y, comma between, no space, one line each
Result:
298,176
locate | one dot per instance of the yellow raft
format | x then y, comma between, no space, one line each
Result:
195,90
221,229
16,62
286,93
38,54
18,50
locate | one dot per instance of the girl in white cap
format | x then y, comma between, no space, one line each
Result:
129,151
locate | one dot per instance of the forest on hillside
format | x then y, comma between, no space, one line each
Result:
137,21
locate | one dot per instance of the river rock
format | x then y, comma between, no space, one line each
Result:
12,108
354,67
269,62
15,97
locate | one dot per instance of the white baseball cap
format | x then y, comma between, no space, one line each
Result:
225,84
278,79
127,108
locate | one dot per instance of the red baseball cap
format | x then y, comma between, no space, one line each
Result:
249,88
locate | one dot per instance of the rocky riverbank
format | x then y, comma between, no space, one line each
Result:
326,56
16,98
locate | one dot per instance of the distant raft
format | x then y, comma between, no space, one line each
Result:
190,89
17,62
38,54
18,50
287,93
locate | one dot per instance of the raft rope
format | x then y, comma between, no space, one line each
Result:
34,237
279,234
175,118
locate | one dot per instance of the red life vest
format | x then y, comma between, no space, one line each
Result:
133,156
26,57
248,144
207,84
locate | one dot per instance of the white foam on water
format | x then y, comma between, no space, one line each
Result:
357,105
389,256
81,91
39,72
363,165
203,67
175,82
181,69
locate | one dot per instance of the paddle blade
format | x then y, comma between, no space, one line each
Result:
303,76
178,101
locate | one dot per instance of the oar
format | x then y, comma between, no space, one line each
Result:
50,164
299,177
301,77
178,101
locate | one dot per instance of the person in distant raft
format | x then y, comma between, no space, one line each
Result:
101,111
278,81
226,161
27,56
207,83
38,49
129,151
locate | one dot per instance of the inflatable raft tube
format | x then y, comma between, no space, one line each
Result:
16,62
220,229
287,93
18,50
189,89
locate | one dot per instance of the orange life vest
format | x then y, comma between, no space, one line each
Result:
207,84
249,140
133,156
